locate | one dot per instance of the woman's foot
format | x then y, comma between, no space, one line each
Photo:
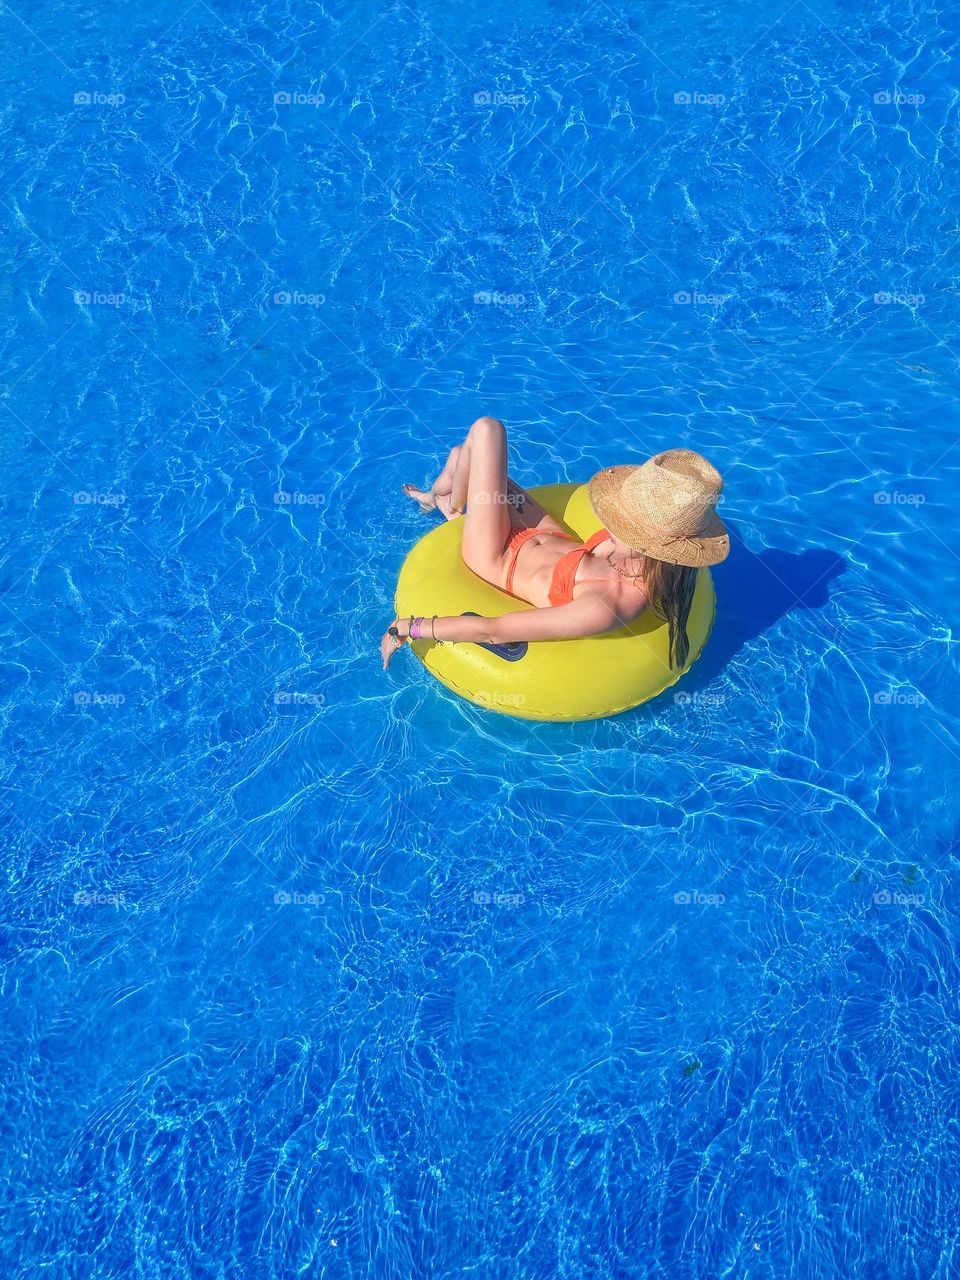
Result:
431,501
425,497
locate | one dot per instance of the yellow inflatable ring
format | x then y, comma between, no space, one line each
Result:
549,680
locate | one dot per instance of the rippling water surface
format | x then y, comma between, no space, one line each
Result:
312,971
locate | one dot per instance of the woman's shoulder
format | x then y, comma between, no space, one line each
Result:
628,598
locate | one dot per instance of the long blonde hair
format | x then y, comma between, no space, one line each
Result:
670,589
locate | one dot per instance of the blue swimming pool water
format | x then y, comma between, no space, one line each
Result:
310,971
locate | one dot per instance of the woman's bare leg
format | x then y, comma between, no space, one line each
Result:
482,483
429,499
523,511
449,493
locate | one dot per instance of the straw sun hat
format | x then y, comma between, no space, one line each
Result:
665,507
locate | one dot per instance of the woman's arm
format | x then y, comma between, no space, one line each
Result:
587,617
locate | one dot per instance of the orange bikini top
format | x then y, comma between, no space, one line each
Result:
565,571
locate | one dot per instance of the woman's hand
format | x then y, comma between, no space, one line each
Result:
389,644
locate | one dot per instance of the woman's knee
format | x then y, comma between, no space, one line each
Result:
489,427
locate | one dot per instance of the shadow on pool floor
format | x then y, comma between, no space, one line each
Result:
754,591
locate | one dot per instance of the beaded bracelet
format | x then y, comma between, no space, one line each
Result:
433,628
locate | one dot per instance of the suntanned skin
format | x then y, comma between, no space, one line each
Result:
475,477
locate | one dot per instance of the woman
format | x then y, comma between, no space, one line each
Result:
660,524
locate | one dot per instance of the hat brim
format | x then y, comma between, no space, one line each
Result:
710,546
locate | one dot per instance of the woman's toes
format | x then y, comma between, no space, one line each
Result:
426,500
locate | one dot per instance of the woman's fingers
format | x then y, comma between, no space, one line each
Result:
388,647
